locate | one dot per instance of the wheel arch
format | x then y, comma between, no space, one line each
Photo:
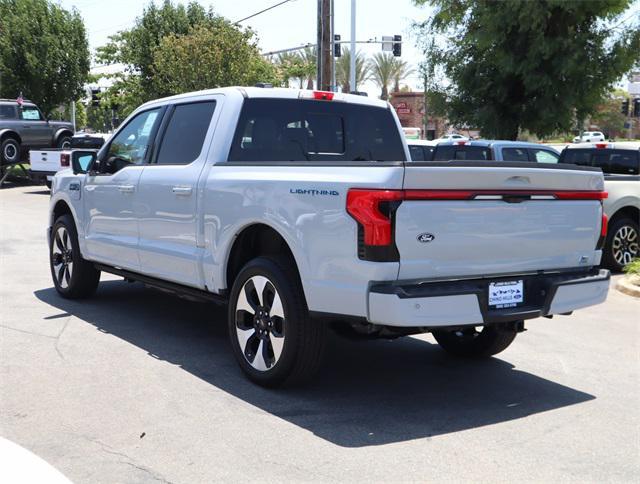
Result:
628,211
9,133
255,240
60,133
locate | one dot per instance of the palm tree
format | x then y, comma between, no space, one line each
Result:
309,57
401,72
383,70
291,67
343,66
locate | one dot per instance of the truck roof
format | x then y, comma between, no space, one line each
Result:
273,92
488,143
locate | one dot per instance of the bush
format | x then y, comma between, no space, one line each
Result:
633,268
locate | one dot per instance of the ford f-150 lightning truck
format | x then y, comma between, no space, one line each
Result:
300,210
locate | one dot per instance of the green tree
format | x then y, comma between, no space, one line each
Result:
309,56
401,72
608,116
382,67
225,56
343,67
135,47
510,65
81,115
43,52
290,66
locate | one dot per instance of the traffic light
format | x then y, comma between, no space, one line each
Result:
397,45
337,47
95,96
625,107
636,108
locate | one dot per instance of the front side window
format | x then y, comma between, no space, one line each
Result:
130,145
308,130
184,137
30,113
544,156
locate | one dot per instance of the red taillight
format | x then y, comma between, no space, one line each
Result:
64,159
580,195
601,145
364,206
323,95
605,222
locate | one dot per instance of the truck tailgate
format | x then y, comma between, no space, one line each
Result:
466,219
45,160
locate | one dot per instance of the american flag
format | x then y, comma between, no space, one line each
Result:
20,100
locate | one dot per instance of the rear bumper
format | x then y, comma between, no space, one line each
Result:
38,176
465,302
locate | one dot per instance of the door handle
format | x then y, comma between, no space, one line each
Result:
178,190
126,188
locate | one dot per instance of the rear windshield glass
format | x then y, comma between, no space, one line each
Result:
615,162
454,152
306,130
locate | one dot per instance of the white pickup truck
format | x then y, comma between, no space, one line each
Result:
298,208
46,162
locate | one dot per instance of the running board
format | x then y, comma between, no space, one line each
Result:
178,289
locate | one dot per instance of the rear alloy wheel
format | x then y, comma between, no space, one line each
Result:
273,338
73,276
476,341
64,142
10,151
623,244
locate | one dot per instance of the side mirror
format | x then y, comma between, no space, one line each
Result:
81,161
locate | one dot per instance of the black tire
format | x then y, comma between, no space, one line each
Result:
471,343
622,244
10,151
73,277
64,142
298,354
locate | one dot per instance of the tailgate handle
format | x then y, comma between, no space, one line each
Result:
518,180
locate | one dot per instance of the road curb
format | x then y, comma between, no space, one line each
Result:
625,286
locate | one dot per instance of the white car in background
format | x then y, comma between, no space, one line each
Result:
453,137
589,137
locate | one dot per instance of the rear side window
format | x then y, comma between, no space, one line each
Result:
417,154
7,112
305,130
463,152
184,136
515,154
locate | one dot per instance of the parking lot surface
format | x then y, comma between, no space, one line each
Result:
135,385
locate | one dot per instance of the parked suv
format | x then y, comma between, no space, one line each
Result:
620,164
298,208
23,126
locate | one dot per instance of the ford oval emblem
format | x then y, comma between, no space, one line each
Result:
426,238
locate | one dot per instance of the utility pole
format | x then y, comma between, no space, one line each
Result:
352,68
324,45
333,48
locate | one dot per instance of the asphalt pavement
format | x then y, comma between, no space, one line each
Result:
135,385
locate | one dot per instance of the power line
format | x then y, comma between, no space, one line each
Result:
262,11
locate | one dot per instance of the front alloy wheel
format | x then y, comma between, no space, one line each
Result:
260,323
62,257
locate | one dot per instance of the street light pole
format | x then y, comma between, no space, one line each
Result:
352,67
